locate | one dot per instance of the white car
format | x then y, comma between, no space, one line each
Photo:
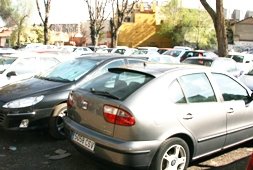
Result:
243,60
27,64
177,53
82,50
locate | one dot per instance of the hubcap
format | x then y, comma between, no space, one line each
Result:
174,158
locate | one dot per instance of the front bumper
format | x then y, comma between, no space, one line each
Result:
10,119
121,152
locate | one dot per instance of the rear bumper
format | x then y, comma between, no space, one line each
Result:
124,153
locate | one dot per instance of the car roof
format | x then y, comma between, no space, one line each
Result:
106,56
157,69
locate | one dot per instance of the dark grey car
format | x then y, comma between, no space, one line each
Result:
41,101
159,116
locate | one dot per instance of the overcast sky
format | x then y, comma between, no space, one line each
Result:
78,11
75,11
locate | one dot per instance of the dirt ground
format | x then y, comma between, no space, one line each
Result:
37,150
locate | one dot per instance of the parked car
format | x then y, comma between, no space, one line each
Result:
27,64
7,51
183,47
5,62
244,60
159,116
162,59
144,53
217,63
247,78
82,50
163,50
104,50
177,53
198,53
40,101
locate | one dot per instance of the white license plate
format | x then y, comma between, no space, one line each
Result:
85,142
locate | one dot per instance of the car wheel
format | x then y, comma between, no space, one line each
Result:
56,122
173,154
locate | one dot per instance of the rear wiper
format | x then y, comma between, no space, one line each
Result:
103,93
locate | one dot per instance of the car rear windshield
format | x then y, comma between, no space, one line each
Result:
117,83
237,58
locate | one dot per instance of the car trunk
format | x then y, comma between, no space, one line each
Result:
88,112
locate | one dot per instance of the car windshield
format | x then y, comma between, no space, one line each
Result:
117,83
7,60
70,70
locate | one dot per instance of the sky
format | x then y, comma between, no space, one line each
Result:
78,10
75,11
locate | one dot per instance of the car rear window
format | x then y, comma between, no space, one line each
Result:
117,84
237,58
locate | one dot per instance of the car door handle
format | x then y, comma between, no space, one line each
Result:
231,110
188,116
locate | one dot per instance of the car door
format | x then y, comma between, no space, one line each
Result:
202,114
239,109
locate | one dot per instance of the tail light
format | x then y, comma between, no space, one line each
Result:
250,163
118,116
70,101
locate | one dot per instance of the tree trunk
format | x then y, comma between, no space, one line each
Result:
221,30
219,25
46,34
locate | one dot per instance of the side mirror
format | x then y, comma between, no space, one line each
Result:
11,73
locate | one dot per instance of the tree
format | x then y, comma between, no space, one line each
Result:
47,5
185,26
5,9
97,18
20,14
219,25
123,8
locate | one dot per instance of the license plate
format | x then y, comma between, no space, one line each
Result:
85,142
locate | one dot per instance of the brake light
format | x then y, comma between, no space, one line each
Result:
250,163
118,116
70,101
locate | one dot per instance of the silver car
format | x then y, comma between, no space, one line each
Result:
159,116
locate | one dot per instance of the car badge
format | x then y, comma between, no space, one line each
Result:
84,105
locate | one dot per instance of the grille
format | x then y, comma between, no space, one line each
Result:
2,118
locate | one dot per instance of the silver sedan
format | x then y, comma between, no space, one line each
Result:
159,116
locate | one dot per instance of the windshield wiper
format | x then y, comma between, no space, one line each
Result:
59,79
53,79
104,93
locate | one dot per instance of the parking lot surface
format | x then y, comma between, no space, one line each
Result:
37,150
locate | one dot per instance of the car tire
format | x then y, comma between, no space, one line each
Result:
56,122
173,154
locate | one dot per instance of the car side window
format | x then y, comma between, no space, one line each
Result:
176,94
104,69
197,88
230,89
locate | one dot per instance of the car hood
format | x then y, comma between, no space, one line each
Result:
29,87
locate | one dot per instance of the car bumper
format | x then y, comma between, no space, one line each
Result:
121,152
24,118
